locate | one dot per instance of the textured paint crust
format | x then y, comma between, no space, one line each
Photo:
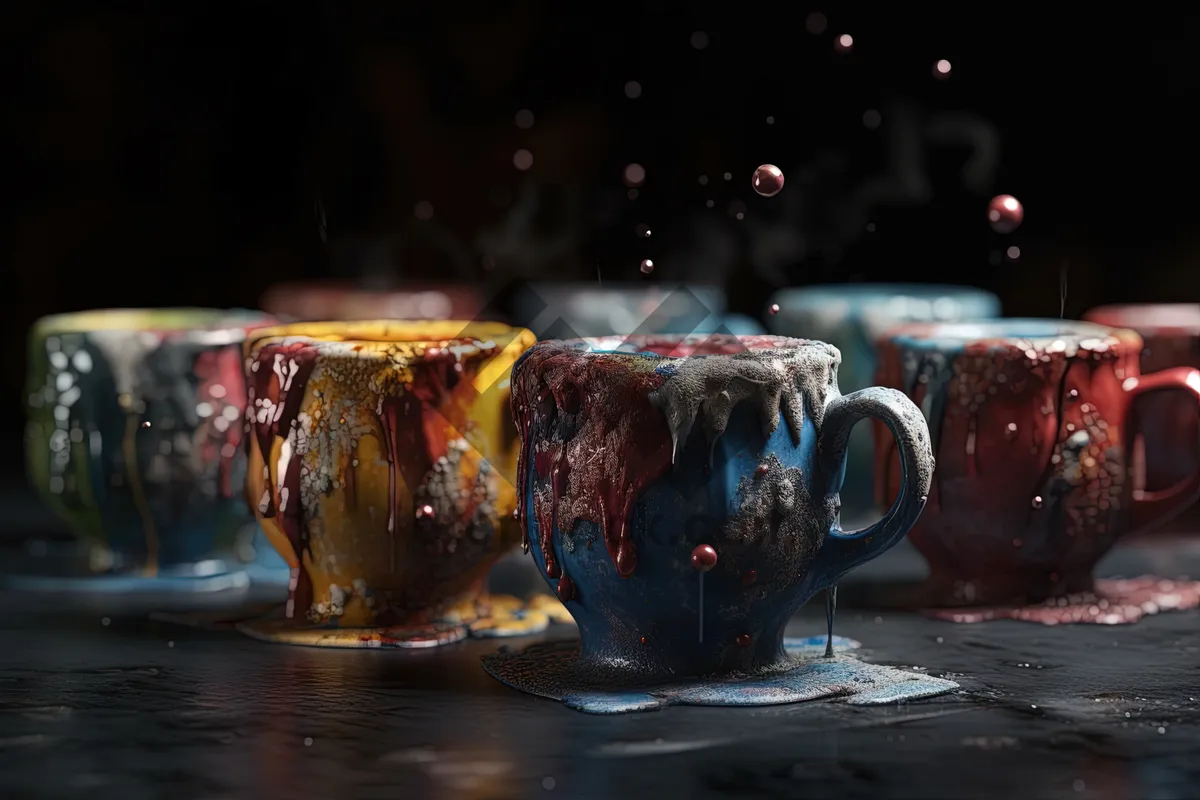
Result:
379,466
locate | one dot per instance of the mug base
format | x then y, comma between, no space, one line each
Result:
1111,602
492,616
553,670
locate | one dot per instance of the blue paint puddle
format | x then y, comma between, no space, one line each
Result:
552,670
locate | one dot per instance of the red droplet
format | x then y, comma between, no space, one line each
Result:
425,511
1005,213
704,557
761,470
566,589
643,640
647,266
774,309
768,180
743,640
749,577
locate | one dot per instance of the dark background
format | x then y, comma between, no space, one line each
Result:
185,153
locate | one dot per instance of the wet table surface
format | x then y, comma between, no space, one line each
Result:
134,708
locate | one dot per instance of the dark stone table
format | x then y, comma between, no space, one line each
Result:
142,709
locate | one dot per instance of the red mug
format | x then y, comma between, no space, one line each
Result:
1167,426
1032,425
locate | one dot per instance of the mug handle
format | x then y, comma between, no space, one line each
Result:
1151,509
842,551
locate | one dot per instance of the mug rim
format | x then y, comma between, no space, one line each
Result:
228,324
456,340
1003,332
1157,318
886,290
599,345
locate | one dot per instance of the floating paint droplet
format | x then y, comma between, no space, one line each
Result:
425,511
1005,213
1074,393
146,424
647,266
743,640
1037,501
941,69
761,470
643,640
566,589
635,175
704,558
749,577
522,160
767,180
844,43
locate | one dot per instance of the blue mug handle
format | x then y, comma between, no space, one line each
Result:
842,551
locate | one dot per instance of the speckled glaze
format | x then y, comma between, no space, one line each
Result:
381,468
852,316
572,310
635,452
135,426
1167,424
322,300
1031,429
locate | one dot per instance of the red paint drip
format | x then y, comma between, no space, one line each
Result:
619,445
222,368
743,640
566,589
276,391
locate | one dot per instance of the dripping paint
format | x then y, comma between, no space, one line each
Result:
379,471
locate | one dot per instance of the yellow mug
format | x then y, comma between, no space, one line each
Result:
382,467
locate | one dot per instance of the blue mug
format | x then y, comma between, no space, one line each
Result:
852,317
680,494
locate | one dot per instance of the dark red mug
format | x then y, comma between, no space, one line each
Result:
1167,426
1032,428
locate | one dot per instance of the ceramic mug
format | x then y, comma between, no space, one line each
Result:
646,459
1168,430
571,310
1031,424
851,316
324,300
379,464
135,424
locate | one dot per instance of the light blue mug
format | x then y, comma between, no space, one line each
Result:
572,310
852,317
